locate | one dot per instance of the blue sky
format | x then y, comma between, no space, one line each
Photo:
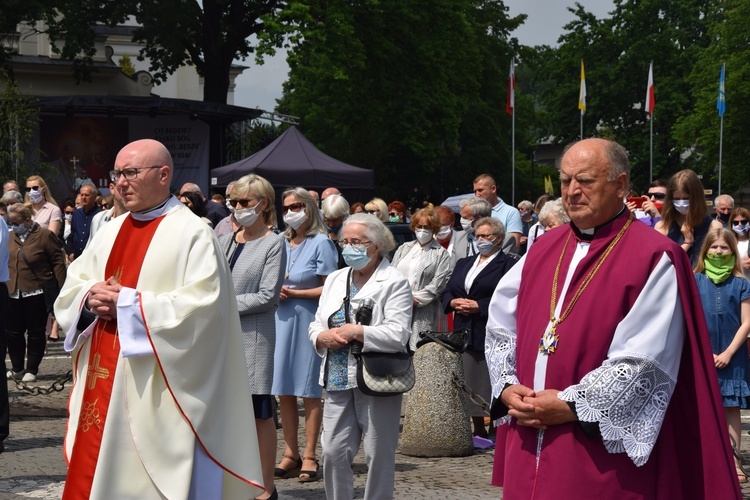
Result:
259,86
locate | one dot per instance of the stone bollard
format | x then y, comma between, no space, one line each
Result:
436,422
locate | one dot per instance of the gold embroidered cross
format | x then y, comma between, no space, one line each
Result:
96,372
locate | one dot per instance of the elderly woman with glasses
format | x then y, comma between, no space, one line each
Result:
427,267
257,259
311,257
349,415
35,257
468,295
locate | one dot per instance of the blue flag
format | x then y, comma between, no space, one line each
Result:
721,101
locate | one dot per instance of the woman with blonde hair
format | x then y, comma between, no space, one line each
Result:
683,218
378,208
44,209
311,257
257,259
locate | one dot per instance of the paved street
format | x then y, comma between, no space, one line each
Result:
33,465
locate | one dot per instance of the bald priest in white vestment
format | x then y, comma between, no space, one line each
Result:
161,405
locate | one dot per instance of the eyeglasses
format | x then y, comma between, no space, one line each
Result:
421,226
739,222
294,207
392,214
129,173
373,212
32,188
354,243
658,196
484,236
244,203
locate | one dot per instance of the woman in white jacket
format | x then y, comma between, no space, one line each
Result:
348,414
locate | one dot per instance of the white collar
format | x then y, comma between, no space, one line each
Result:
167,207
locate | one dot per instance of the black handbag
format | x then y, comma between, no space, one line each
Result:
380,373
456,341
50,288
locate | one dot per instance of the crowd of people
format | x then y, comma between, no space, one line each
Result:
234,293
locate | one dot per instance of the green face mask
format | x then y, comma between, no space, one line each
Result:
393,218
719,267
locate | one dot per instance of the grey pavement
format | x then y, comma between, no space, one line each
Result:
33,465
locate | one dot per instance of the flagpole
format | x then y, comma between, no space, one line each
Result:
581,124
651,150
513,156
721,106
721,141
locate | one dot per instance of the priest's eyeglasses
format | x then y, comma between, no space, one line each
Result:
129,173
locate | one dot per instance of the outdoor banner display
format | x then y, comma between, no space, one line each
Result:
78,148
186,140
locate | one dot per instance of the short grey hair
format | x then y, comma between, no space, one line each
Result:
724,197
11,198
497,227
375,231
335,206
21,210
479,206
555,208
526,204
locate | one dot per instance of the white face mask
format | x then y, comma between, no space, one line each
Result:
294,219
466,224
681,206
445,231
741,229
423,236
36,196
246,217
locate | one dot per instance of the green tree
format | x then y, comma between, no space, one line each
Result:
18,121
404,88
699,130
208,35
617,51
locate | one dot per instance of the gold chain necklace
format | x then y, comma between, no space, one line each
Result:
548,342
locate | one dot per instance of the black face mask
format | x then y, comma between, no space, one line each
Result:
724,218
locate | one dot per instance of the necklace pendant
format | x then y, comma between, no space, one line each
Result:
548,342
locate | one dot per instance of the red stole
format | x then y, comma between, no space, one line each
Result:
124,263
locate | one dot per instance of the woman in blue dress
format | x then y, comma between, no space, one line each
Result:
311,257
725,295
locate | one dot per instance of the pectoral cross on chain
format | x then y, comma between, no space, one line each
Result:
96,372
548,342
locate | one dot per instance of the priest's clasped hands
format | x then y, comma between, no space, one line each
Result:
536,409
102,299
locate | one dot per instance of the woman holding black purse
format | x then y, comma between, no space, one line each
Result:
468,295
36,261
350,415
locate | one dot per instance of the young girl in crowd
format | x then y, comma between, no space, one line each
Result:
725,294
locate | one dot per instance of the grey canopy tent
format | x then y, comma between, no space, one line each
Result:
292,160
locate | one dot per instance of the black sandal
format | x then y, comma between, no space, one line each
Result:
309,475
279,473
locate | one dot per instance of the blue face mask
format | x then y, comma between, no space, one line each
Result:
355,257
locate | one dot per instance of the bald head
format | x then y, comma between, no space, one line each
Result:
328,192
152,166
594,176
189,187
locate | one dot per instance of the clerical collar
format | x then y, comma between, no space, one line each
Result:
588,234
163,208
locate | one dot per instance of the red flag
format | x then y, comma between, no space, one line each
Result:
510,104
650,96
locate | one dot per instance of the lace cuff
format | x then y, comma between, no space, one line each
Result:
500,352
628,397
